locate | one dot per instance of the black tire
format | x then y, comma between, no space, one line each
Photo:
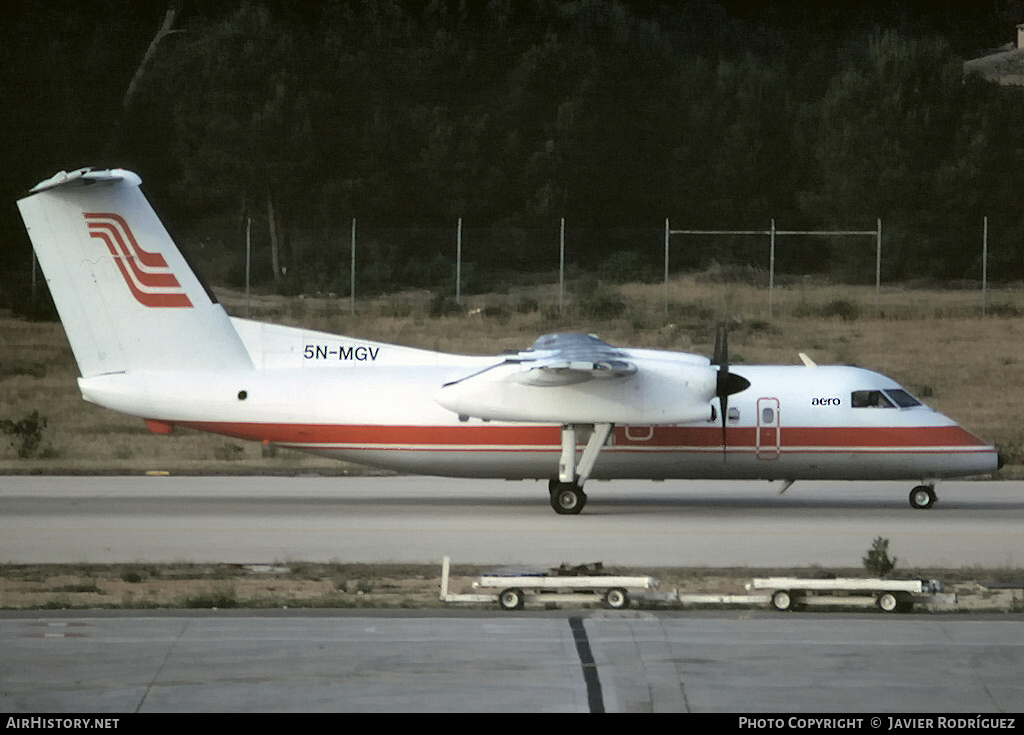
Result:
922,497
616,599
568,499
511,599
888,602
782,600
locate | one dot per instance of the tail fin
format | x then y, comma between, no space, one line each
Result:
125,294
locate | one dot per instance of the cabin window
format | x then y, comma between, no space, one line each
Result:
902,399
870,399
767,415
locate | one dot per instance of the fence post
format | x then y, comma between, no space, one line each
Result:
666,267
771,275
458,263
561,266
984,268
248,258
878,268
352,272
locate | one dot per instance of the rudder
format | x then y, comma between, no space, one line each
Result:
125,294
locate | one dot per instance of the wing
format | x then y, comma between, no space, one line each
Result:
556,372
577,378
568,359
562,359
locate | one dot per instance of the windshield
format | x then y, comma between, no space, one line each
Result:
891,398
902,398
870,399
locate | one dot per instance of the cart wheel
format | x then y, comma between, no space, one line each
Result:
782,600
511,599
887,602
616,599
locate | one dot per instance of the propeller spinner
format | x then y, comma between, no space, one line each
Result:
727,383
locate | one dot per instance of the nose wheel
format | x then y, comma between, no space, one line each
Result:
567,498
923,497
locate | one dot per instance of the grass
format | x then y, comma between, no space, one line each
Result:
385,586
221,586
935,342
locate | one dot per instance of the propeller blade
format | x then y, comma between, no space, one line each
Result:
721,358
724,400
727,383
721,354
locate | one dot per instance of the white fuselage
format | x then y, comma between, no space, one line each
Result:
152,342
374,404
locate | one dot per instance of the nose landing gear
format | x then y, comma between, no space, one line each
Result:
923,497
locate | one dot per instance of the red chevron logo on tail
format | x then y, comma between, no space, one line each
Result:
147,274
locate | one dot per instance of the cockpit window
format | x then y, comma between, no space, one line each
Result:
870,399
902,398
891,398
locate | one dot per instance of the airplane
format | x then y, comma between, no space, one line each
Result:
152,341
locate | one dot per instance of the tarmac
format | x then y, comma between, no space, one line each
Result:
630,661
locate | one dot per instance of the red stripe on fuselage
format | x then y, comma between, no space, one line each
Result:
885,436
817,436
372,436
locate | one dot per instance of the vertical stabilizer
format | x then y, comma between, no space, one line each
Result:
125,294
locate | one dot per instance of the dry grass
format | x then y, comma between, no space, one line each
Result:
149,586
337,585
934,342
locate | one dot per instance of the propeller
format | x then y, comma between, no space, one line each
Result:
727,383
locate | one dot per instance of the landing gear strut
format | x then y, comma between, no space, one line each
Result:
923,497
567,496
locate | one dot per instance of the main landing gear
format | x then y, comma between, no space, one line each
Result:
567,496
923,497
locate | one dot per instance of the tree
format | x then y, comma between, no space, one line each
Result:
240,119
877,561
886,124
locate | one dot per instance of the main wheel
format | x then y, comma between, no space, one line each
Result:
782,600
922,497
616,599
888,602
511,599
567,498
